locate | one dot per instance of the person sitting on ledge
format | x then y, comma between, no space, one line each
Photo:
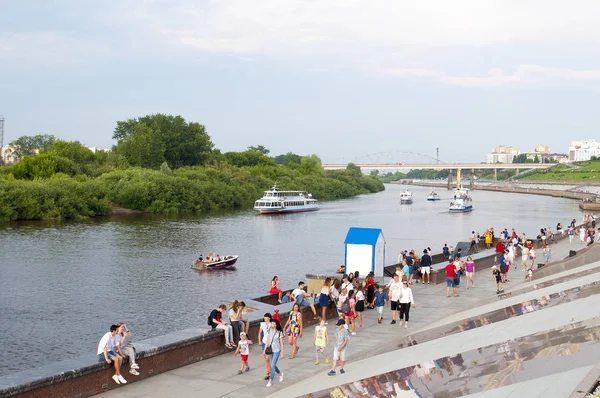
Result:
300,296
287,297
218,323
126,349
106,353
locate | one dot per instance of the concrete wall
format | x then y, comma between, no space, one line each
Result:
85,376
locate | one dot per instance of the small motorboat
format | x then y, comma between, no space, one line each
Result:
433,196
341,269
225,263
406,197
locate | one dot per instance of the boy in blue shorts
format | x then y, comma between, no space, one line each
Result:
379,301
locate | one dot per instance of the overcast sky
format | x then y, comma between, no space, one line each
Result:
339,78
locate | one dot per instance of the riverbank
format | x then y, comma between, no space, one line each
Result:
200,189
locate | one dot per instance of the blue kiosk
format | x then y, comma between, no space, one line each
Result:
364,251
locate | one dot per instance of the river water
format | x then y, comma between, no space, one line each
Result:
63,284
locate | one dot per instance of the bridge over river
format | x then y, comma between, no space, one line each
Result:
442,166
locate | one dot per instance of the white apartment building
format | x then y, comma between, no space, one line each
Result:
9,153
502,154
583,150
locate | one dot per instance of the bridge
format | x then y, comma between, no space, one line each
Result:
442,166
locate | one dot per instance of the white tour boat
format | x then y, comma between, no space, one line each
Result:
406,197
461,202
275,202
433,196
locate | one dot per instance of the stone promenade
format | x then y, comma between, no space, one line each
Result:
379,348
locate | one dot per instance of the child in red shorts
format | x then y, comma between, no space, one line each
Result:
244,349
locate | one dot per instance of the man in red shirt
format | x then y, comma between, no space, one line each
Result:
450,275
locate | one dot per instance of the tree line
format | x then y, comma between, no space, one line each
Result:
160,164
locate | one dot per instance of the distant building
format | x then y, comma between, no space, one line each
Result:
559,157
9,153
502,154
583,150
95,149
541,151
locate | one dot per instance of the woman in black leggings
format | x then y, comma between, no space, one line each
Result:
406,302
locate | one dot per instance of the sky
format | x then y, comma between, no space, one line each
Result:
349,80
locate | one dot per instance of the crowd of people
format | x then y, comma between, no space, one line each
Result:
352,296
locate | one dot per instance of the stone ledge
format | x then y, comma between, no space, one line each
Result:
85,376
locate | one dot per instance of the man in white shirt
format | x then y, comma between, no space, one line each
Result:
346,284
395,292
107,354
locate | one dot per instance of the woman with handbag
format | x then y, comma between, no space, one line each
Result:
274,349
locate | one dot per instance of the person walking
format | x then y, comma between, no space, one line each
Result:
426,262
395,291
547,255
524,256
470,271
406,302
320,341
244,349
274,349
379,302
341,343
450,279
498,277
532,258
263,332
294,322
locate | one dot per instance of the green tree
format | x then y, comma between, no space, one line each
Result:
288,158
29,144
536,159
72,150
259,148
32,167
143,148
176,141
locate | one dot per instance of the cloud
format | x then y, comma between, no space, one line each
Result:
303,27
441,40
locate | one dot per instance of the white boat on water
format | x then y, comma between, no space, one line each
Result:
277,202
433,196
461,201
406,197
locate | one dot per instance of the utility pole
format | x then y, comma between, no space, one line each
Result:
437,157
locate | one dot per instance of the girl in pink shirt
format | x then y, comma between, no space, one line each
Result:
470,270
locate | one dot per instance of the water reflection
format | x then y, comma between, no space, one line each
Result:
502,314
537,286
485,368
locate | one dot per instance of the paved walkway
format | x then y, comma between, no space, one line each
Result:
216,377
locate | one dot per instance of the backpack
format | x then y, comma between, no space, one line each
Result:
346,306
210,321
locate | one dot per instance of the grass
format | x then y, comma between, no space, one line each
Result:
589,170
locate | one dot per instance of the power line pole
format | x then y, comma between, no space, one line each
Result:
437,157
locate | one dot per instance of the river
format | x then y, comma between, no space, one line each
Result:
63,284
